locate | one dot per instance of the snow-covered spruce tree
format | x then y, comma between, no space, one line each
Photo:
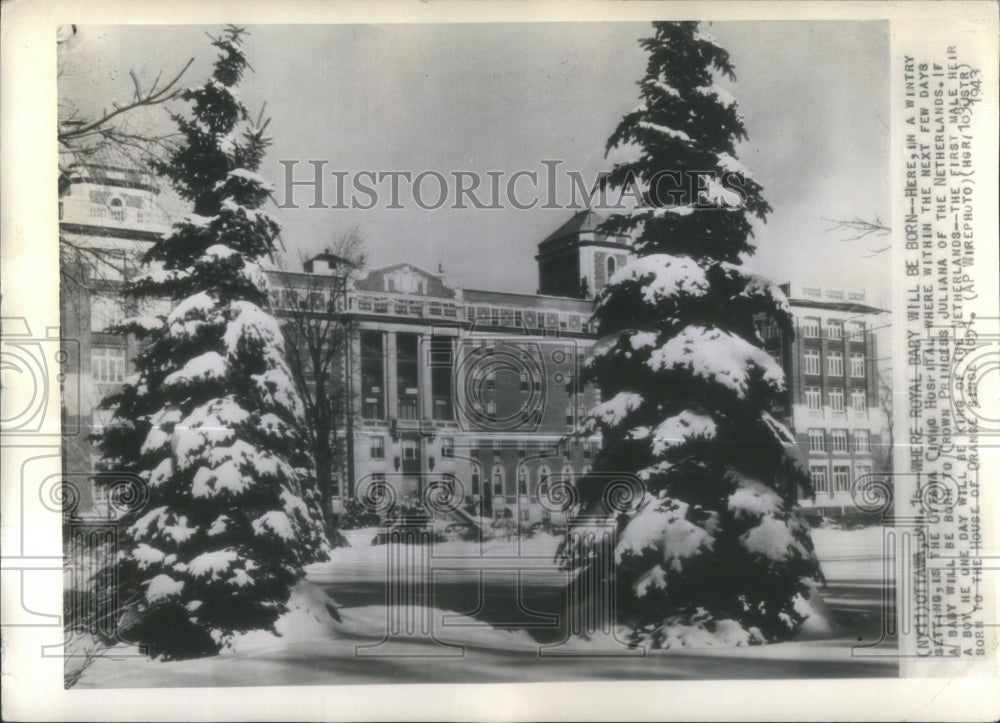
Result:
715,551
211,419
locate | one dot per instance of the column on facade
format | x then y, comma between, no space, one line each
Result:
424,370
391,385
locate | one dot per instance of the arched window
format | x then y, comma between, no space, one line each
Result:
117,209
611,266
522,480
567,474
544,473
497,477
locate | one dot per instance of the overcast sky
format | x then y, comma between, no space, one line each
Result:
503,98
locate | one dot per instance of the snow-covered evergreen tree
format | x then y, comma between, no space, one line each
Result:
211,421
716,548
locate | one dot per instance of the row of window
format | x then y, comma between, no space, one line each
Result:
498,478
528,319
839,440
308,299
839,481
834,363
411,449
480,315
106,312
812,327
835,399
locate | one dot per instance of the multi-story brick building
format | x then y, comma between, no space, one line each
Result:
108,217
472,388
833,401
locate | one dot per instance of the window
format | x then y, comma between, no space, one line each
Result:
610,265
567,474
835,364
841,479
819,479
105,312
834,328
99,493
407,376
518,319
858,330
524,515
836,397
495,317
491,381
107,364
812,398
410,450
497,449
497,477
378,481
817,440
858,366
376,448
569,415
441,356
117,209
810,326
544,474
862,470
522,480
525,381
862,441
447,447
587,450
335,485
475,479
858,401
838,438
372,375
811,361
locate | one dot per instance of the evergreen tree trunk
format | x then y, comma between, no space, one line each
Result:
715,551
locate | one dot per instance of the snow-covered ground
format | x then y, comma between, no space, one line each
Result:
443,645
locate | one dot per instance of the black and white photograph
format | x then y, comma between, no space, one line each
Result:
395,353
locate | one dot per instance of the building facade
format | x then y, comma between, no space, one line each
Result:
108,217
472,393
471,389
833,405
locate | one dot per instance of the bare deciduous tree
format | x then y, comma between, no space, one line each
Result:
885,401
319,332
857,229
116,134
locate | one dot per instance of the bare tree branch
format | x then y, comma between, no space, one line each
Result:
859,228
72,130
319,332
